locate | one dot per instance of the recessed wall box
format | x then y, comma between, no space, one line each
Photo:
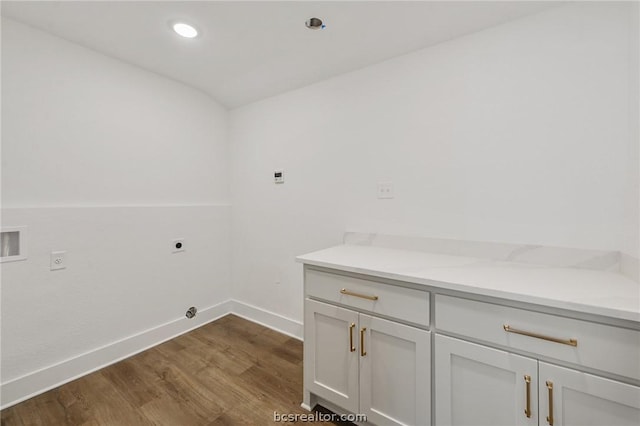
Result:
13,243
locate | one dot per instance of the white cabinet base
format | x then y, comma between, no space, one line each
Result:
366,365
395,382
331,367
586,400
367,350
481,386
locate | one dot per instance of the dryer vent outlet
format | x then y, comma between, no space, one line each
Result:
191,312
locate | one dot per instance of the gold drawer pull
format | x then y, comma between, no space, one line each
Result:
363,296
351,347
550,416
362,351
570,342
527,380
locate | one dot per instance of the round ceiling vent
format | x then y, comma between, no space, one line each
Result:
314,24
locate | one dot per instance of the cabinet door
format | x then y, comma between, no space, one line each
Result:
477,385
395,369
571,398
330,362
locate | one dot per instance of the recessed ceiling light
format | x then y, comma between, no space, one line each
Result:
185,30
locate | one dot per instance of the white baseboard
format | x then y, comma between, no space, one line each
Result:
37,382
269,319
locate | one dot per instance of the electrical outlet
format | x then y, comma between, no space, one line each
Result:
178,245
385,189
58,260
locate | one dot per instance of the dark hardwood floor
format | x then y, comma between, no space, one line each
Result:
229,372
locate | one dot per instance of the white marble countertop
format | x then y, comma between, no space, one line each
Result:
587,291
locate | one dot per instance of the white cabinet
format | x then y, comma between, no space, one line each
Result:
481,386
368,365
330,362
572,398
478,385
495,361
615,350
395,385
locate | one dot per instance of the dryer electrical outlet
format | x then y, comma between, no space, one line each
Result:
178,245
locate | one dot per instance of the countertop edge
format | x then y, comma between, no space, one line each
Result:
482,291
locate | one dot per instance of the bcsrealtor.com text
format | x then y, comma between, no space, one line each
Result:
317,416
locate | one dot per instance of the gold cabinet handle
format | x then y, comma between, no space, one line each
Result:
351,347
362,351
527,381
550,416
527,410
363,296
570,342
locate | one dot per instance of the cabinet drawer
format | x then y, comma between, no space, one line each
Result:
602,347
402,303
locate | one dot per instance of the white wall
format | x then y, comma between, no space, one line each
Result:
631,248
519,133
108,162
82,128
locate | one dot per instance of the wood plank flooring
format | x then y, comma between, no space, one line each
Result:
229,372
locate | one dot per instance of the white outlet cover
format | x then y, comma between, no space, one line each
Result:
385,189
58,260
178,242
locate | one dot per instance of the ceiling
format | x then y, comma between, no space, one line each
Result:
249,51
